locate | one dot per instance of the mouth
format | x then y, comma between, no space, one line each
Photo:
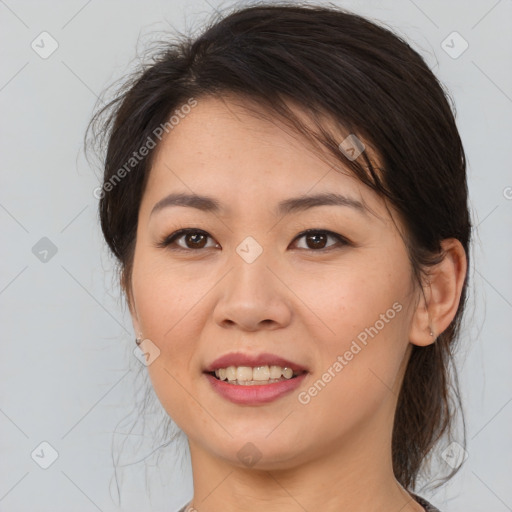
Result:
254,379
255,376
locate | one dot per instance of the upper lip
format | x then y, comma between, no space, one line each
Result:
239,359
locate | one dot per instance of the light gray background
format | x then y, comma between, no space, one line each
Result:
67,368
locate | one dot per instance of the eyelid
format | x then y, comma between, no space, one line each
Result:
340,238
170,239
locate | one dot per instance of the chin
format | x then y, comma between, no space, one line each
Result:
255,453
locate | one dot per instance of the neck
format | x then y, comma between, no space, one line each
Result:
345,478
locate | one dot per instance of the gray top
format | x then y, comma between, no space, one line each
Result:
423,502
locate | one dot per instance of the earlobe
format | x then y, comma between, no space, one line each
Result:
440,300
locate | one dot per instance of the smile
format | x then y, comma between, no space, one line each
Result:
251,376
253,379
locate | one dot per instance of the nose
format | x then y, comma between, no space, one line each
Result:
253,297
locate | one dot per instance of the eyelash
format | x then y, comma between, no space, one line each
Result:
168,240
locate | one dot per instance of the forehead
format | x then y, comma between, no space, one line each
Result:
223,149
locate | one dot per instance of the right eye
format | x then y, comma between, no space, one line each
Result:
194,239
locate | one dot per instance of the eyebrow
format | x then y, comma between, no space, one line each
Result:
291,205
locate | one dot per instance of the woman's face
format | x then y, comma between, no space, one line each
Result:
247,283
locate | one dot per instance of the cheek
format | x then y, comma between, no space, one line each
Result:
167,307
366,311
357,379
357,296
168,302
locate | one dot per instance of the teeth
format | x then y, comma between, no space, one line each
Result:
275,372
261,373
244,373
287,373
247,374
230,373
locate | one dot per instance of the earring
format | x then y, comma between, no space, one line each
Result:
431,333
138,340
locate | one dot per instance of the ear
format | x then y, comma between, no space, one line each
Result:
439,302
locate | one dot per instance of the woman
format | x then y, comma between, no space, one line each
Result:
286,195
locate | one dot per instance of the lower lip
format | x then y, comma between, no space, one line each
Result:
254,394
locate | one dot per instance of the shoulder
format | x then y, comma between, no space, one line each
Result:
423,502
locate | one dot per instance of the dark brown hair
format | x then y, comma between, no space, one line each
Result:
335,64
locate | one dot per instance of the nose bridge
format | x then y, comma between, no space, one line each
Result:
252,296
251,274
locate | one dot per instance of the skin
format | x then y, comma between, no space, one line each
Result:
302,303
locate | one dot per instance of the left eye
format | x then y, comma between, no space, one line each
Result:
194,239
318,239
